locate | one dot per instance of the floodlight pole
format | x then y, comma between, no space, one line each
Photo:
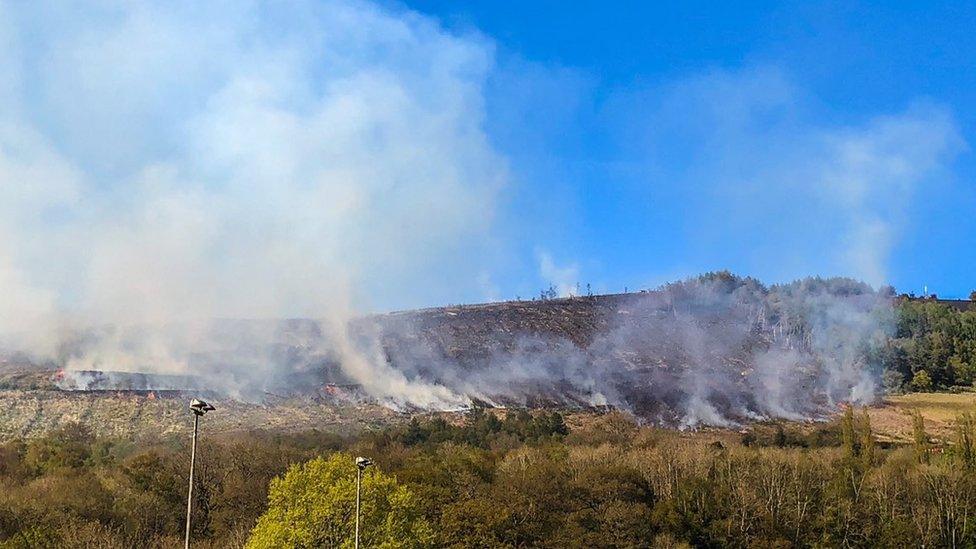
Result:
189,496
359,480
361,464
198,407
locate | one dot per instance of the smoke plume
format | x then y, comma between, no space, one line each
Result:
163,165
177,178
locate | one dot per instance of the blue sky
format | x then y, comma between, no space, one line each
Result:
581,90
164,161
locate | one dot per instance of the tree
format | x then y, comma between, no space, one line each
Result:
314,505
920,437
972,295
476,522
966,440
556,425
779,438
939,346
866,440
68,447
848,431
922,381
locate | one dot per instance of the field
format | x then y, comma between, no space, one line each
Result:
891,421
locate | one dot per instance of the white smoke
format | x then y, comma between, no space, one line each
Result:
777,183
715,350
165,164
871,175
563,278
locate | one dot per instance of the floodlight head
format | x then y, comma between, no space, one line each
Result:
363,463
200,407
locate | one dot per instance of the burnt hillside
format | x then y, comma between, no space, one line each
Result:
714,349
471,332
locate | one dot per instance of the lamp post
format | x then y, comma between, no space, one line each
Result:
198,407
361,464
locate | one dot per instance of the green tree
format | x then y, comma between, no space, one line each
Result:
922,381
938,345
68,447
962,370
314,505
557,426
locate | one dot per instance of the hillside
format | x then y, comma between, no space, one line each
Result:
719,350
31,402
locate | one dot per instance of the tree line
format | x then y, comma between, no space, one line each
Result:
522,480
933,347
